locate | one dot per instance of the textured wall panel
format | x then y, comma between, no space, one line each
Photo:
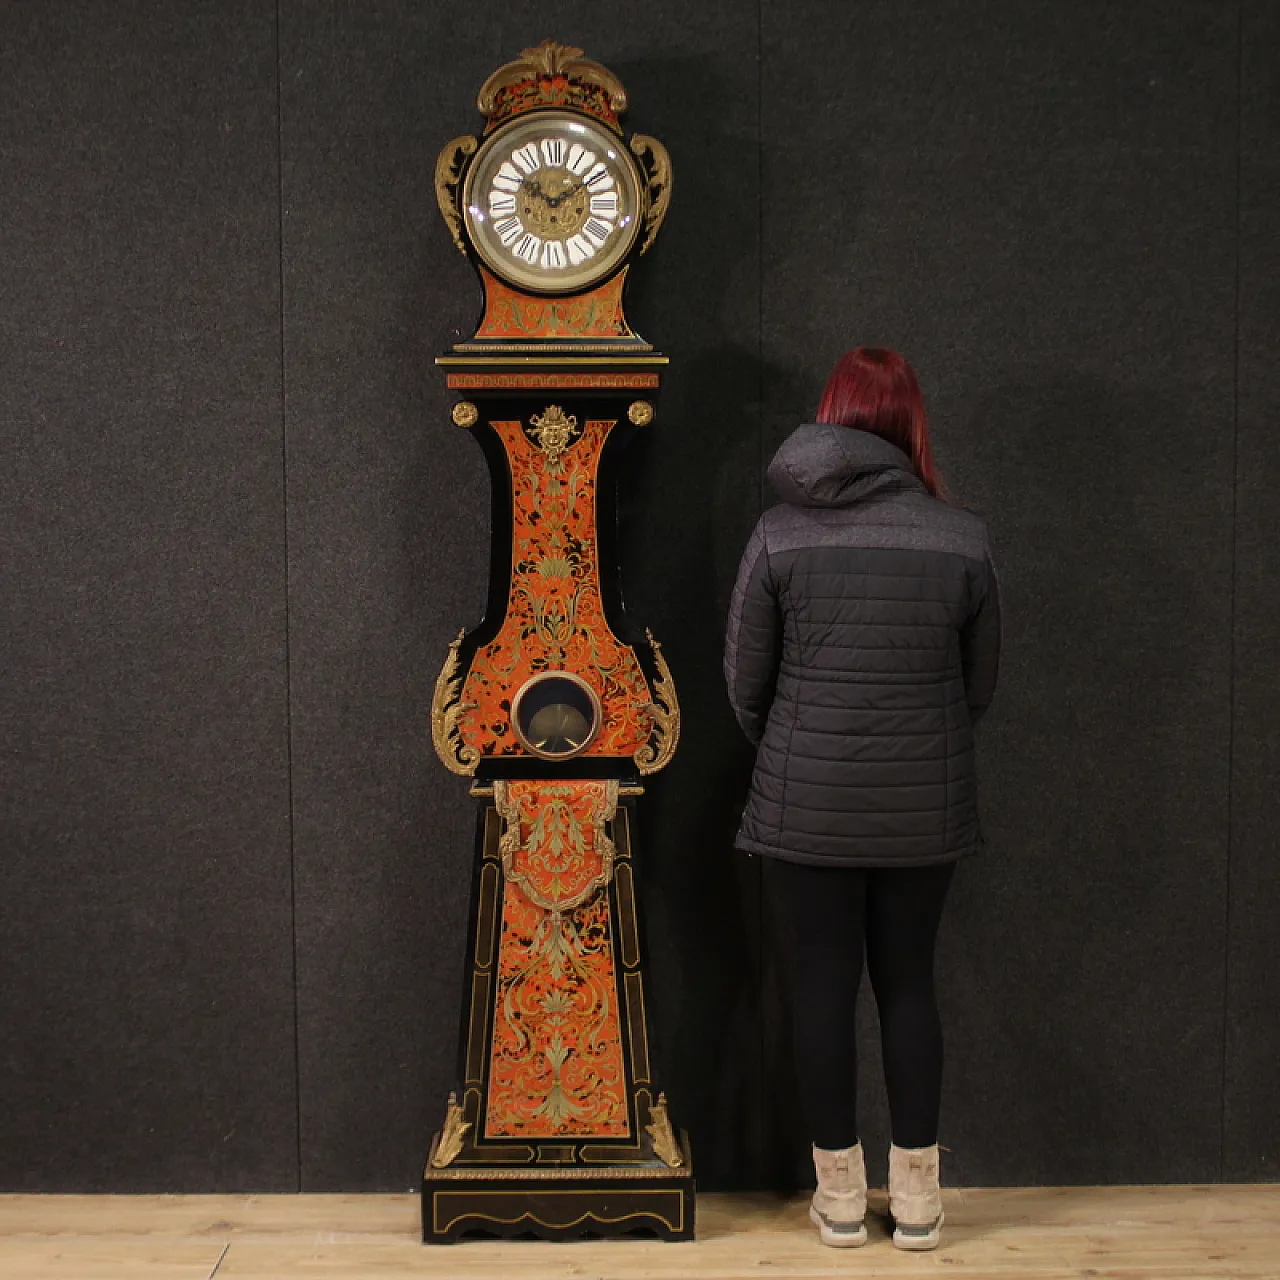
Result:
1036,204
388,540
147,1002
1252,1140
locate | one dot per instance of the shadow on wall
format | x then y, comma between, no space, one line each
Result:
687,509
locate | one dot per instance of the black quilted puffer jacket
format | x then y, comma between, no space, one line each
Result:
863,644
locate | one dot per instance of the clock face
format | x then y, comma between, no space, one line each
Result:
552,202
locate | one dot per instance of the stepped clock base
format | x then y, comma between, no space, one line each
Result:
559,1203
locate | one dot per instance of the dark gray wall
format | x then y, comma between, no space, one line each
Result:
1251,1137
240,532
146,940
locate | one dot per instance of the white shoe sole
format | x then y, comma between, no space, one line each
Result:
837,1239
919,1239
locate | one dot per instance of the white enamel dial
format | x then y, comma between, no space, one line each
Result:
552,202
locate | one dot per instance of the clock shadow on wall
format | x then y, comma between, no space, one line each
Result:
691,496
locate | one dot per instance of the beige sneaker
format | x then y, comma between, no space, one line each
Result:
840,1202
915,1198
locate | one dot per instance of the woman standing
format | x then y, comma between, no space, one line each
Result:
863,645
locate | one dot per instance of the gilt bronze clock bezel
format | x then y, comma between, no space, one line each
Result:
609,262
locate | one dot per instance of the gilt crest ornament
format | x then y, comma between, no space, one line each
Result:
554,431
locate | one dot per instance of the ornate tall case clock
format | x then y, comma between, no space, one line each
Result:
555,706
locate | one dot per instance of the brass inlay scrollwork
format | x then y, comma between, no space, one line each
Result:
657,166
449,166
452,1135
547,1173
556,1062
637,1026
447,708
444,1219
554,812
664,716
550,381
665,1146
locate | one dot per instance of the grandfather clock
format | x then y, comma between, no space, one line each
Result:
555,706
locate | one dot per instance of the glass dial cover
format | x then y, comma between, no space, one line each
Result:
552,202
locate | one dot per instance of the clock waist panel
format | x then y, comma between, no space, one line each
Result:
555,617
499,670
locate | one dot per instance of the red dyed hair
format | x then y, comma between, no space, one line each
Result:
874,389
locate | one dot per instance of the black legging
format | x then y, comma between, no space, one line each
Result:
825,917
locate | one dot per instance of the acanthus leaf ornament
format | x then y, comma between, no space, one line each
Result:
452,1135
552,74
447,709
665,1146
449,166
664,716
656,161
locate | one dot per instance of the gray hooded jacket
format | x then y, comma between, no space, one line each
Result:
863,644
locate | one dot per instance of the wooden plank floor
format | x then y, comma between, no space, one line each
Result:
1136,1233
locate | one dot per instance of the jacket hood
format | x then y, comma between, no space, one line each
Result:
827,466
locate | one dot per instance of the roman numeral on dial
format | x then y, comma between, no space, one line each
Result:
528,248
580,159
527,158
597,231
553,202
507,178
508,229
579,249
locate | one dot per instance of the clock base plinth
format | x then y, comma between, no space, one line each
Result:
558,1202
559,1128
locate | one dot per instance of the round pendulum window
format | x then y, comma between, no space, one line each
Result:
556,715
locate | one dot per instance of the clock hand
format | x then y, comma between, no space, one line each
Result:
556,201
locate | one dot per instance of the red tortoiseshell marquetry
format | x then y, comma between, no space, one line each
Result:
556,1062
511,314
538,93
555,617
